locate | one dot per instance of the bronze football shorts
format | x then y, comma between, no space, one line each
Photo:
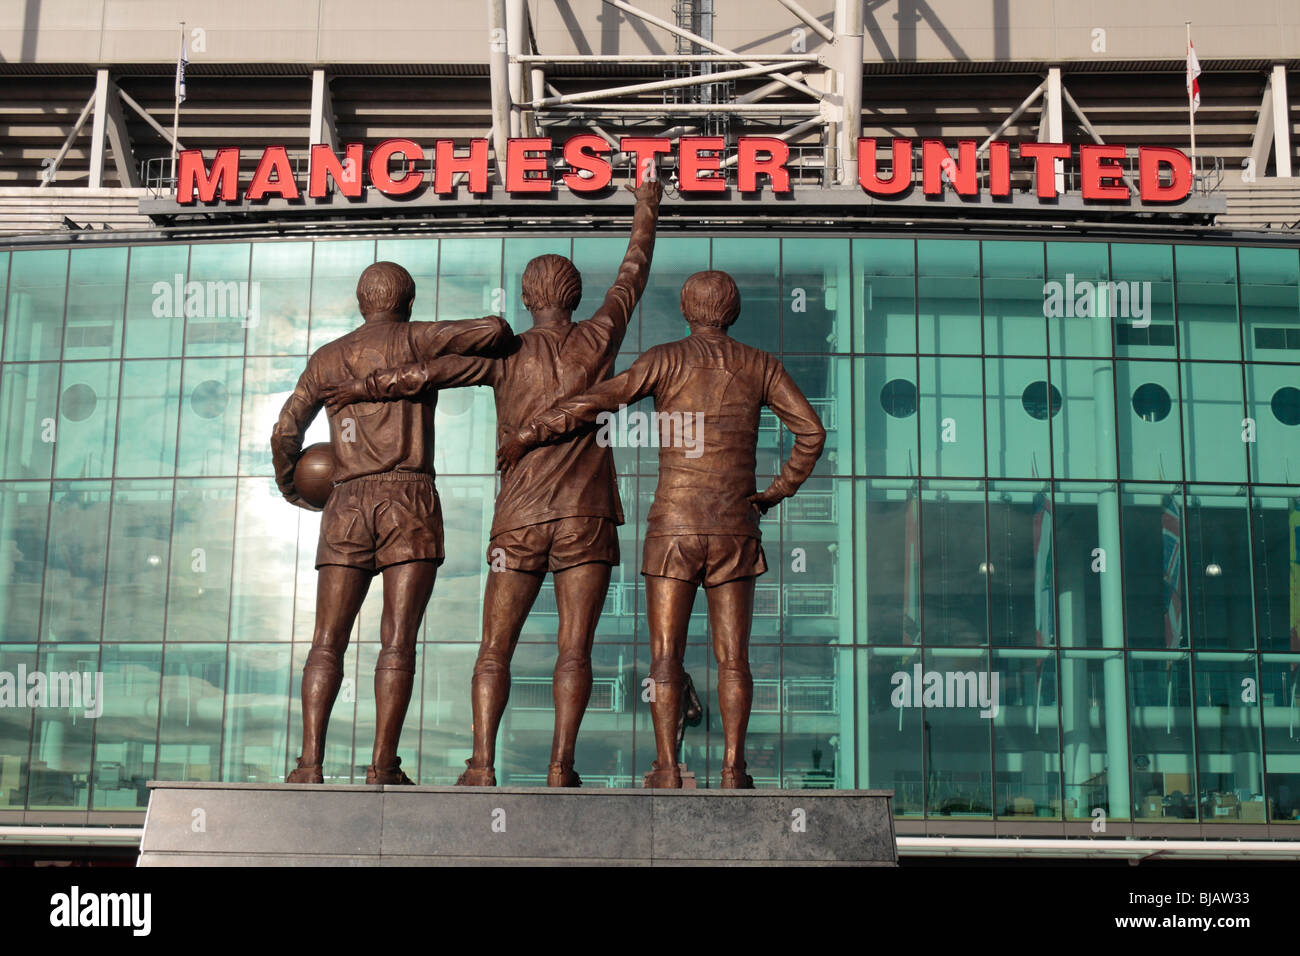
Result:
555,545
708,559
380,520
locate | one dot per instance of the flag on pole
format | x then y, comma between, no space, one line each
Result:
911,569
1171,533
1193,71
1044,590
911,580
180,73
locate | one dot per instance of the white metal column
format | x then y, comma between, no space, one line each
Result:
1281,122
848,67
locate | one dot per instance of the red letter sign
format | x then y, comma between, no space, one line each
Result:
691,161
582,153
275,159
193,175
1097,165
750,164
409,180
935,160
446,164
325,166
1043,155
899,180
1150,158
645,148
519,164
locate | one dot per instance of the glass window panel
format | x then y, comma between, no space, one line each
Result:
815,286
1212,427
268,383
1281,742
74,566
1270,302
598,259
96,298
87,420
827,384
15,731
265,526
59,773
952,416
890,731
1165,785
1078,510
1140,300
189,728
1219,606
445,718
419,257
149,408
817,715
334,273
887,396
958,774
1275,452
281,284
138,551
1081,440
948,307
1093,693
676,258
1074,326
469,278
1014,320
209,419
34,321
155,301
1155,565
884,295
1021,580
455,611
1207,302
29,398
518,253
1026,742
257,704
1230,762
817,602
202,536
220,301
127,732
1150,413
953,553
1275,547
755,265
24,510
1019,403
466,426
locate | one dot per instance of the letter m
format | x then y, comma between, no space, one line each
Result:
193,175
65,689
961,688
115,907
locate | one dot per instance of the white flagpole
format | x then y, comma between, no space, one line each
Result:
1191,104
176,97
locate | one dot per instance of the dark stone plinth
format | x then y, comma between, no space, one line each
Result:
247,824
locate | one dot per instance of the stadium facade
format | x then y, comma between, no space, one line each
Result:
1044,581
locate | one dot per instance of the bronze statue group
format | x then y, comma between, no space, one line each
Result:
558,506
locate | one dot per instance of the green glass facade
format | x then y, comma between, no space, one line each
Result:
1093,502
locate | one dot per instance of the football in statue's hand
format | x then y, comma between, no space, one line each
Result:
313,476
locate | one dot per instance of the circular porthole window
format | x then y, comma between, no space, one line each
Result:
78,402
1286,405
898,398
1041,400
1151,402
209,399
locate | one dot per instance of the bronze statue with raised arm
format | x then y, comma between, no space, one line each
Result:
559,510
703,527
383,515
